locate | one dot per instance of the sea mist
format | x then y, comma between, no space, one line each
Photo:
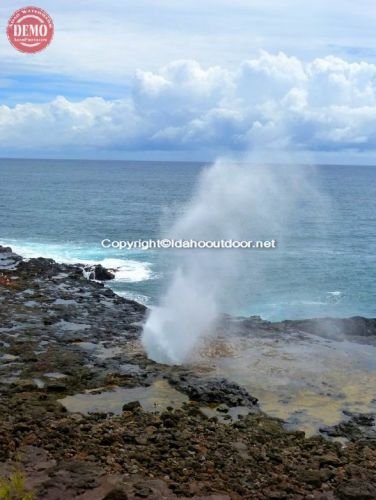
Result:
231,201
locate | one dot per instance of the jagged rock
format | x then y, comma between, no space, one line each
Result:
79,329
97,272
357,489
5,249
102,274
131,406
214,390
356,326
8,259
358,426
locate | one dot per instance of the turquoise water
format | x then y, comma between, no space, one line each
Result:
64,209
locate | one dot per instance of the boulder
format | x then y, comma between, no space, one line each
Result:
131,406
214,390
102,274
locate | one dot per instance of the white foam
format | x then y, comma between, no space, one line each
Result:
30,250
126,270
130,271
133,271
7,262
137,297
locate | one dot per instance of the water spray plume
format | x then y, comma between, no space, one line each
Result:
231,201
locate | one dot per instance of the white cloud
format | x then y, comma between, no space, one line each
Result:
272,101
105,42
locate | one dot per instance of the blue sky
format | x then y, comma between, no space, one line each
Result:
188,80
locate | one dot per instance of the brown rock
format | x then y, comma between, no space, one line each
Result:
357,490
116,494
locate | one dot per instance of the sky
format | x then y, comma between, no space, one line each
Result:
193,80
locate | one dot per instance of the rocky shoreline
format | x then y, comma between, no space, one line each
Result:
64,338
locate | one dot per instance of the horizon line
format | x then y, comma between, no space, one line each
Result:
198,162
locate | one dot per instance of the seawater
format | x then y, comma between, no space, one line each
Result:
64,209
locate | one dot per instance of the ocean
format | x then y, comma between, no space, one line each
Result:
64,209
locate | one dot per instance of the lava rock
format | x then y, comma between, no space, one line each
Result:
357,490
5,249
359,426
132,406
214,390
116,494
103,274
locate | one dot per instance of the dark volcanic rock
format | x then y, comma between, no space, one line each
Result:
102,274
5,249
213,390
98,272
131,406
63,335
356,326
358,426
8,259
357,490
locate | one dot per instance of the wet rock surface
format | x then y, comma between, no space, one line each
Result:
362,330
213,390
99,273
355,427
8,259
61,335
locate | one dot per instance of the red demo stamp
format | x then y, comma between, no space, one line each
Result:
30,29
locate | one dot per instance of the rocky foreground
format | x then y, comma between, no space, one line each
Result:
62,335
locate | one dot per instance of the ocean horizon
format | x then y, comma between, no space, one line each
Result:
63,209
